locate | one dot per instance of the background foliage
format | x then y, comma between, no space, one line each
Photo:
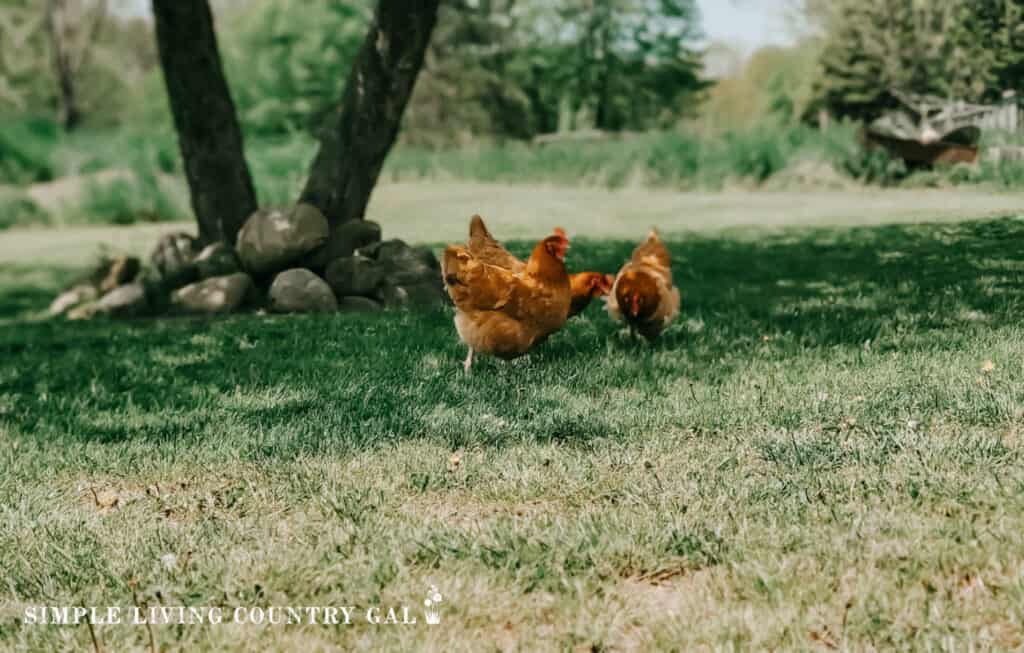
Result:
964,49
673,110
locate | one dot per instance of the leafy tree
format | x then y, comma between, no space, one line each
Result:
22,38
70,59
516,68
962,49
470,82
285,57
999,24
773,84
73,27
635,63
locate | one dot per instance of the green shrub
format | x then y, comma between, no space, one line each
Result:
676,159
1002,174
137,148
20,211
26,148
279,166
287,61
128,201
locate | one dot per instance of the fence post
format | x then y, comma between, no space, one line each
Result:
1011,110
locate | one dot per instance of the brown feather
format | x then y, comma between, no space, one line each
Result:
483,246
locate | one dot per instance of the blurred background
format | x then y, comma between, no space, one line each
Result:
685,95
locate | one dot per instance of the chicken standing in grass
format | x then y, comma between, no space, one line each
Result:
584,286
506,311
642,295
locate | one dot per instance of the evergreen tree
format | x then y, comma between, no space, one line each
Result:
961,49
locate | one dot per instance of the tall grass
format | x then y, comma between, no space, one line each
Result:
680,160
16,209
139,198
279,166
767,155
35,150
26,147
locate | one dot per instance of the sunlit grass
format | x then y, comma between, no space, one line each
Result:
824,452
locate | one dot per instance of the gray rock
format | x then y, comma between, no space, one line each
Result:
344,240
72,298
426,257
174,260
214,296
426,294
216,260
405,271
422,294
386,249
128,300
122,270
85,311
271,239
358,305
393,296
405,265
370,251
354,275
300,291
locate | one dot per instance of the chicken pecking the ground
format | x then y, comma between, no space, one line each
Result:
643,295
506,311
587,286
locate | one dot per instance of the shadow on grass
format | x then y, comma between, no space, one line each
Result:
26,290
287,386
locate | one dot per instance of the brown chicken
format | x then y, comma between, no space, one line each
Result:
643,295
501,311
584,285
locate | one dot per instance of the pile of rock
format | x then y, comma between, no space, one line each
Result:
286,260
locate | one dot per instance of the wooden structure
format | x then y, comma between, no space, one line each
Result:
930,130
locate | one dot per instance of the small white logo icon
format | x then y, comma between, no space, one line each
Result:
433,605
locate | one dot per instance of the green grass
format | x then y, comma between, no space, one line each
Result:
139,198
776,158
17,210
677,160
824,452
794,157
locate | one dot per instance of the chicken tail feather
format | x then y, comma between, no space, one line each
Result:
477,228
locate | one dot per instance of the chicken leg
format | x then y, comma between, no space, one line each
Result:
468,363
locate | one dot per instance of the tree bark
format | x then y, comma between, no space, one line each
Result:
359,135
204,115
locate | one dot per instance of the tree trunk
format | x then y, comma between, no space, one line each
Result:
357,138
204,115
62,29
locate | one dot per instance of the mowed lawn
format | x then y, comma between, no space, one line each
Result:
825,452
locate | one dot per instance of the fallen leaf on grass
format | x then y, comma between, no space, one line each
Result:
105,499
454,462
